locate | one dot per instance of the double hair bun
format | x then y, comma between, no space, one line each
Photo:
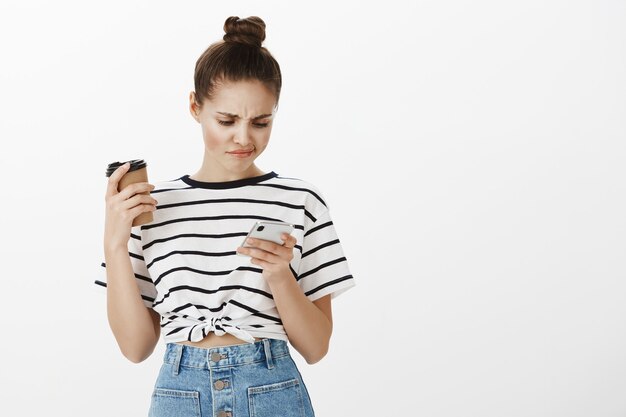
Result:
249,31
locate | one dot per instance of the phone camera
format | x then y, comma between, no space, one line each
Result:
260,228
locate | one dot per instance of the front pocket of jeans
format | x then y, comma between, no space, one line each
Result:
168,402
280,399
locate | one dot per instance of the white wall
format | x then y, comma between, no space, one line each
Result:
472,154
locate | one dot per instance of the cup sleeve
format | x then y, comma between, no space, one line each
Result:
140,269
323,267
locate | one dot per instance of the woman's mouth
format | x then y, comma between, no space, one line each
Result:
241,154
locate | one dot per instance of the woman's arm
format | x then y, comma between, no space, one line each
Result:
134,327
308,324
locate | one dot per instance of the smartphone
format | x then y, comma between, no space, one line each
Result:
267,230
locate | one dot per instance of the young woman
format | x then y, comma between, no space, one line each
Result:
226,312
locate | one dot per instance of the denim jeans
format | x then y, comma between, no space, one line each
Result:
257,379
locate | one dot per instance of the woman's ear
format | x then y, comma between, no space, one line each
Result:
193,106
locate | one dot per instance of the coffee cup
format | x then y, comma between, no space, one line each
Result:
137,172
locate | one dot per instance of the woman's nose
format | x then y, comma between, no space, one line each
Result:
243,136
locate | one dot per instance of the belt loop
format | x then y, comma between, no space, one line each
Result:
179,354
268,353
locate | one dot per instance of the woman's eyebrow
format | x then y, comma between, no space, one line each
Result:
261,116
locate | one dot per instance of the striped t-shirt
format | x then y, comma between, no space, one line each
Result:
187,268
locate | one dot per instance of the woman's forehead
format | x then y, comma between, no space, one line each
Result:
243,99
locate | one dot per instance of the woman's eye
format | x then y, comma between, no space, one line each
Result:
228,123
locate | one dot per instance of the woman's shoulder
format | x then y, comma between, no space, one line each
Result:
315,195
167,184
297,181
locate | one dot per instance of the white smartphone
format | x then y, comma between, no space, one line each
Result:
267,230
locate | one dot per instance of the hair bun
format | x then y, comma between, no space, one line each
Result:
248,31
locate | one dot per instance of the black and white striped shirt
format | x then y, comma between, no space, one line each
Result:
187,268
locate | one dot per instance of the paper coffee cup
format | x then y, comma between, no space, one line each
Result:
137,172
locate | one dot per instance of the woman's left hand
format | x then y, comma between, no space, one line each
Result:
272,257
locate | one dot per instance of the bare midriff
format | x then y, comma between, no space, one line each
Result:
212,340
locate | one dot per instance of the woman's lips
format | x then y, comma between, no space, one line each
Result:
240,154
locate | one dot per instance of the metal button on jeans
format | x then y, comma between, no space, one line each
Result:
223,413
219,385
215,356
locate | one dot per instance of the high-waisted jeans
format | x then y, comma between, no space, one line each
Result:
257,379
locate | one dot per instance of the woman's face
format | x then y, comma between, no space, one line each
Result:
239,118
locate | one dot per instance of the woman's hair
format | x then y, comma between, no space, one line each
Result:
239,56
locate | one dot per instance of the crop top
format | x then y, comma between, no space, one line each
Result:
186,265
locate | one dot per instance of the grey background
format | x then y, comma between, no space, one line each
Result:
472,154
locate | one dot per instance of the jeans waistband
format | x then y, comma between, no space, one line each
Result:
263,350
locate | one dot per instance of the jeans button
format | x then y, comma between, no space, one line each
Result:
215,356
219,385
223,413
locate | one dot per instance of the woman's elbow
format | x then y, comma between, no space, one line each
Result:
139,355
317,356
137,358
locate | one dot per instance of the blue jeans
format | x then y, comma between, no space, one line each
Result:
248,380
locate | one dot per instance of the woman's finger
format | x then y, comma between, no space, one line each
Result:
114,179
290,241
260,254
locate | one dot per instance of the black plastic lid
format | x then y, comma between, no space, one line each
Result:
135,164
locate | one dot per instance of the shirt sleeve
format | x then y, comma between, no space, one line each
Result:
323,266
142,275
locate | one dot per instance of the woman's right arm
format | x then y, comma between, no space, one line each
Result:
135,327
136,330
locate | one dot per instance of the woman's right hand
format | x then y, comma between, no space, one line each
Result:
122,207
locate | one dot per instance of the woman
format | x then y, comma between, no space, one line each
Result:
225,311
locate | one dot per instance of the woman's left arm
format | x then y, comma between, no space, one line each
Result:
308,324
